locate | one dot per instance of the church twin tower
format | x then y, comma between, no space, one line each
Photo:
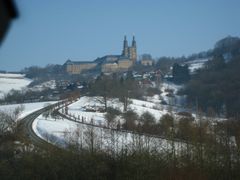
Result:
130,52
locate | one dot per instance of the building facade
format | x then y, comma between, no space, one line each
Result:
108,63
146,60
77,67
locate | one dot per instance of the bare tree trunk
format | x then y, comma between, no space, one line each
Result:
105,102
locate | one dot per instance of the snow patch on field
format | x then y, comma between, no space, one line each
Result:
169,91
196,64
141,107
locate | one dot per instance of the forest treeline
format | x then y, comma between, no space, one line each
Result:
217,85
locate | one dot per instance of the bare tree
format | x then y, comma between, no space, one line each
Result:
91,139
8,123
110,117
103,87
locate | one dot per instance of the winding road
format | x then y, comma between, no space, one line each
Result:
26,126
27,121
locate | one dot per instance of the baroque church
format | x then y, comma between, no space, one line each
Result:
108,63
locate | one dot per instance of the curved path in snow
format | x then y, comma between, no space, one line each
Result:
26,126
27,121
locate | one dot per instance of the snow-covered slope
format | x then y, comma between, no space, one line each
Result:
28,107
77,109
62,131
12,81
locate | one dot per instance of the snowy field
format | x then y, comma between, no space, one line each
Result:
10,75
78,108
28,107
62,132
46,127
141,107
12,81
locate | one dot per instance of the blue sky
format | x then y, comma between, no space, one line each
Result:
50,32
